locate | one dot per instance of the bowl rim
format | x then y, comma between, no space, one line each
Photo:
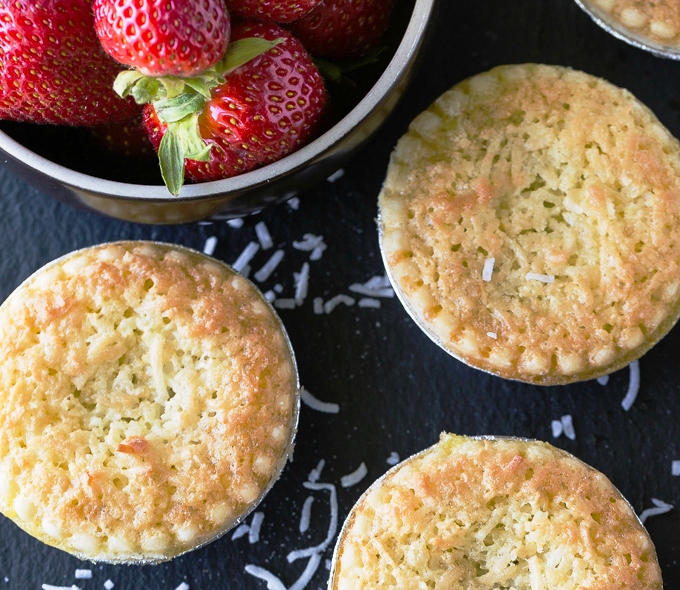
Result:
395,70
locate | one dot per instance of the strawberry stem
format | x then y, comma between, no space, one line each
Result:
178,103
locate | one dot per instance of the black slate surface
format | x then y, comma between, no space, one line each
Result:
395,389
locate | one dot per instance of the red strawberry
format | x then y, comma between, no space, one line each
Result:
279,11
262,111
52,66
127,138
158,37
344,29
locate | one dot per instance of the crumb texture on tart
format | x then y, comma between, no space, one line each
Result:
530,218
147,399
658,20
474,514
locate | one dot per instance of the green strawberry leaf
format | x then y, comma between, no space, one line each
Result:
242,51
171,160
201,85
125,81
145,90
193,145
170,110
173,85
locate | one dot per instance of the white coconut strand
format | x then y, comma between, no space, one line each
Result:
263,235
245,257
351,479
273,583
316,404
270,266
633,386
659,508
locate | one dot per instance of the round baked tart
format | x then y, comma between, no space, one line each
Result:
148,400
486,513
529,222
652,25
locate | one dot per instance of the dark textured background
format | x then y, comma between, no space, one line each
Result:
396,390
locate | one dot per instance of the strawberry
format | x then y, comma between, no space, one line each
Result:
127,138
344,29
158,37
52,66
279,11
259,112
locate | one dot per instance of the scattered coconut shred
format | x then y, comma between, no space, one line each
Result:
659,508
263,235
50,587
534,276
351,479
675,467
83,574
633,386
487,271
242,262
565,425
309,400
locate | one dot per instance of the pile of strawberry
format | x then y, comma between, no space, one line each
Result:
225,86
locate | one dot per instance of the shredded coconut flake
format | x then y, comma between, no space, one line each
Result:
675,468
83,574
315,473
633,386
210,245
294,203
255,526
278,288
378,286
603,380
332,526
336,175
311,243
245,257
50,587
108,584
534,276
659,508
318,305
369,302
568,427
557,428
263,235
393,459
270,266
355,477
332,303
285,303
487,271
317,252
306,515
301,283
270,295
492,335
241,531
183,586
273,583
236,223
308,242
318,405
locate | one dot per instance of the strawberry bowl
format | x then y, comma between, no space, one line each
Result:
68,165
